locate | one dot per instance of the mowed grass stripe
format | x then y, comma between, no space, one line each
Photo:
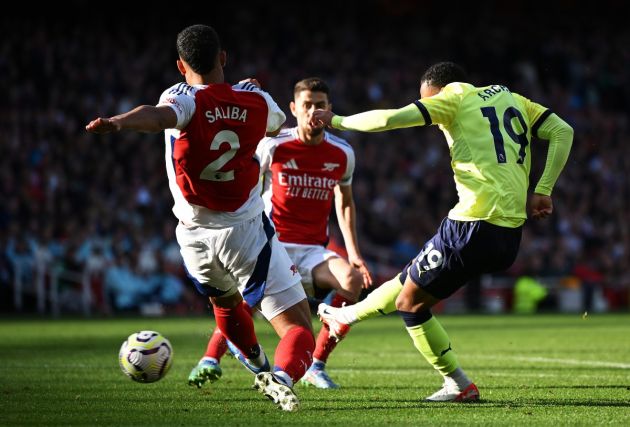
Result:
538,370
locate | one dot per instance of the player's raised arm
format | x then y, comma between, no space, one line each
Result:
372,121
145,118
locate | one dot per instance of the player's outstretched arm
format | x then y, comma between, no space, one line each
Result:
103,125
145,118
371,121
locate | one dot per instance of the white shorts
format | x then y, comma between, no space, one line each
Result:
245,258
307,257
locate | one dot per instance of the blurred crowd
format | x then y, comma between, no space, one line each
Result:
78,202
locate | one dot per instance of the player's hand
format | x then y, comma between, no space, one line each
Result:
361,265
540,206
102,125
252,81
321,118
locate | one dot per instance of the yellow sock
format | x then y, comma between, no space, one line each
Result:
433,343
379,302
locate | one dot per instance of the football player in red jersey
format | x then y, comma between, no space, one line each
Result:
305,168
230,249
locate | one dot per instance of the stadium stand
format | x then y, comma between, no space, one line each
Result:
88,229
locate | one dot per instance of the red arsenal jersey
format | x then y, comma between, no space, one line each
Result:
211,161
299,183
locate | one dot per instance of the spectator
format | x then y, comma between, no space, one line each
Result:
54,175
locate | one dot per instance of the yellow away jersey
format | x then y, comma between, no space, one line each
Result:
488,130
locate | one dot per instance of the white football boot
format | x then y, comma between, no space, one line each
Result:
277,391
331,317
451,393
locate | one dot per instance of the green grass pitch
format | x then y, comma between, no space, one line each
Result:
539,370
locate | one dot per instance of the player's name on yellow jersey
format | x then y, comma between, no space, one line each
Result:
492,90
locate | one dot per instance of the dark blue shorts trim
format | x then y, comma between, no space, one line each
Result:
206,289
255,287
461,251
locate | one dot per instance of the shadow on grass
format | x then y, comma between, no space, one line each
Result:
360,404
520,387
527,367
542,387
546,403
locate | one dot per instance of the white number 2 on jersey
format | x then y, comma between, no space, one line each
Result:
212,172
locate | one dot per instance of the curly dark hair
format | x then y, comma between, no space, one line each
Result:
199,46
443,73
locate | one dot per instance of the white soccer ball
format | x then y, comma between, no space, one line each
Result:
145,356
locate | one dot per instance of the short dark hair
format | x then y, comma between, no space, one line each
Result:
314,84
443,73
199,46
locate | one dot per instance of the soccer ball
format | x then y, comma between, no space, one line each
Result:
145,356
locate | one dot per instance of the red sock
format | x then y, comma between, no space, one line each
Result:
325,344
236,324
294,353
217,346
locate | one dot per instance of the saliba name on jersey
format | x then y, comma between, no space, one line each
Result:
226,112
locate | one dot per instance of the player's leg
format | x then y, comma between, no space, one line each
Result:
436,273
294,351
236,325
285,305
379,302
432,341
210,257
217,346
333,273
208,368
289,314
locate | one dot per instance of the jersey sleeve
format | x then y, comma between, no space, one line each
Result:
346,179
560,136
264,153
380,120
181,99
442,107
546,125
275,116
438,109
536,113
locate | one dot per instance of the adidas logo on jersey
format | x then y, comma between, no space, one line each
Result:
291,164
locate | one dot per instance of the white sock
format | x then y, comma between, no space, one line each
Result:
210,359
458,378
347,314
